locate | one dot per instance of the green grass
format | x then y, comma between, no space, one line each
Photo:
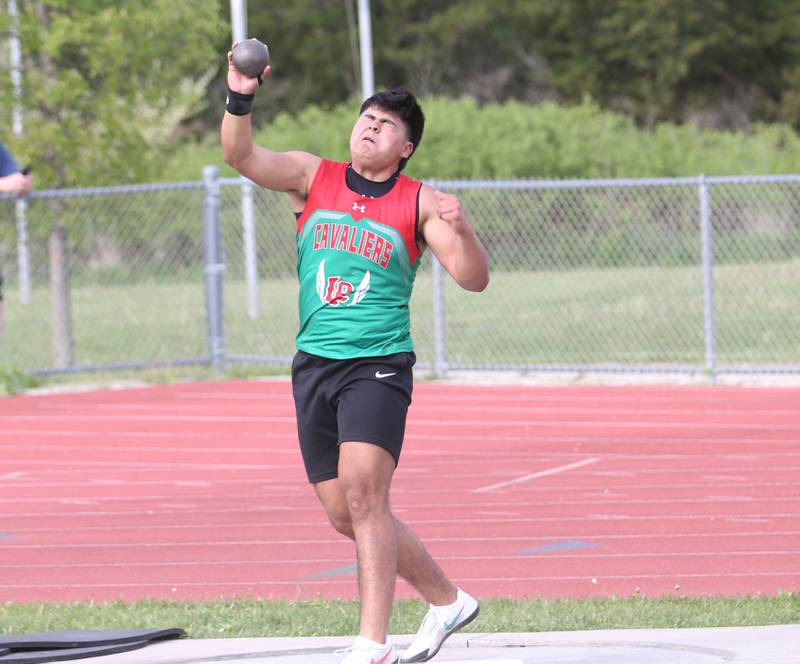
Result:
257,618
631,315
14,381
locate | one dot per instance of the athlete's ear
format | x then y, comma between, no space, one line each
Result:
409,148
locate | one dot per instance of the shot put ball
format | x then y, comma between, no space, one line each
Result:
250,57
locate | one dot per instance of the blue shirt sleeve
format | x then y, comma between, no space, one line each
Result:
7,163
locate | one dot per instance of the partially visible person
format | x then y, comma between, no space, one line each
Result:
12,181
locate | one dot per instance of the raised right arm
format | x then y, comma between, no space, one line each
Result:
291,172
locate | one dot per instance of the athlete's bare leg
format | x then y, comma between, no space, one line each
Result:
357,504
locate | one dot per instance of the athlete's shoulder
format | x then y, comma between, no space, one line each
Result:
408,181
328,170
408,188
333,166
428,205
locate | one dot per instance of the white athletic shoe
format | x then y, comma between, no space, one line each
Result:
365,651
438,624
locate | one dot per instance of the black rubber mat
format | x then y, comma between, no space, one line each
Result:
86,638
68,654
44,647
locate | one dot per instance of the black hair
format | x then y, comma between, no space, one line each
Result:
401,102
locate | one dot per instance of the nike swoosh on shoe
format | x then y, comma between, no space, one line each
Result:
450,625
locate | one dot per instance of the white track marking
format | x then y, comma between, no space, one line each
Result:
221,526
293,583
268,560
672,424
541,473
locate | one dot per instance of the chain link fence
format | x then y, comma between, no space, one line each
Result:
694,275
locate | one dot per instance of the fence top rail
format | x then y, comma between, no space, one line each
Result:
615,182
587,183
238,182
441,184
108,191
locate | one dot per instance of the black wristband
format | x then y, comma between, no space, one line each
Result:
239,104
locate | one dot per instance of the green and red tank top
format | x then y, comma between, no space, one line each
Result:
357,258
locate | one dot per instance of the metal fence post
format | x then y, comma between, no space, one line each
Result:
213,267
710,327
23,268
439,322
249,237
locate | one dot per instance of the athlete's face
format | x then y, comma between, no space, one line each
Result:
379,137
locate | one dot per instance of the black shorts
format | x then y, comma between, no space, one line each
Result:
358,400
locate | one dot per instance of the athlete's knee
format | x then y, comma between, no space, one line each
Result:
364,502
332,496
365,474
341,521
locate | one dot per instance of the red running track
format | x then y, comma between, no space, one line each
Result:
197,491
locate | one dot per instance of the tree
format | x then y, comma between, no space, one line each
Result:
725,63
106,83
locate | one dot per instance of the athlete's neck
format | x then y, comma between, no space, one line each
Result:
360,184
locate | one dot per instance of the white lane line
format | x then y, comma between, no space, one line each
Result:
13,476
344,561
541,473
346,543
154,465
294,583
425,408
128,418
658,441
437,424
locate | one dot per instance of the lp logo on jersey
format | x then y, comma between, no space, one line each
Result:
335,291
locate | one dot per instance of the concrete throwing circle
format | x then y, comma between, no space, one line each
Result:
595,653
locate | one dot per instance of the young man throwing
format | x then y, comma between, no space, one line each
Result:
361,229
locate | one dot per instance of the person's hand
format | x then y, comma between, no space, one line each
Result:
238,82
449,210
16,183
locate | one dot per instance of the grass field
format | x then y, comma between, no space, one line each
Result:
256,618
633,315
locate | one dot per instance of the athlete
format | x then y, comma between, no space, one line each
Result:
361,229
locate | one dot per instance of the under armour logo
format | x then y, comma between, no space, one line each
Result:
360,208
